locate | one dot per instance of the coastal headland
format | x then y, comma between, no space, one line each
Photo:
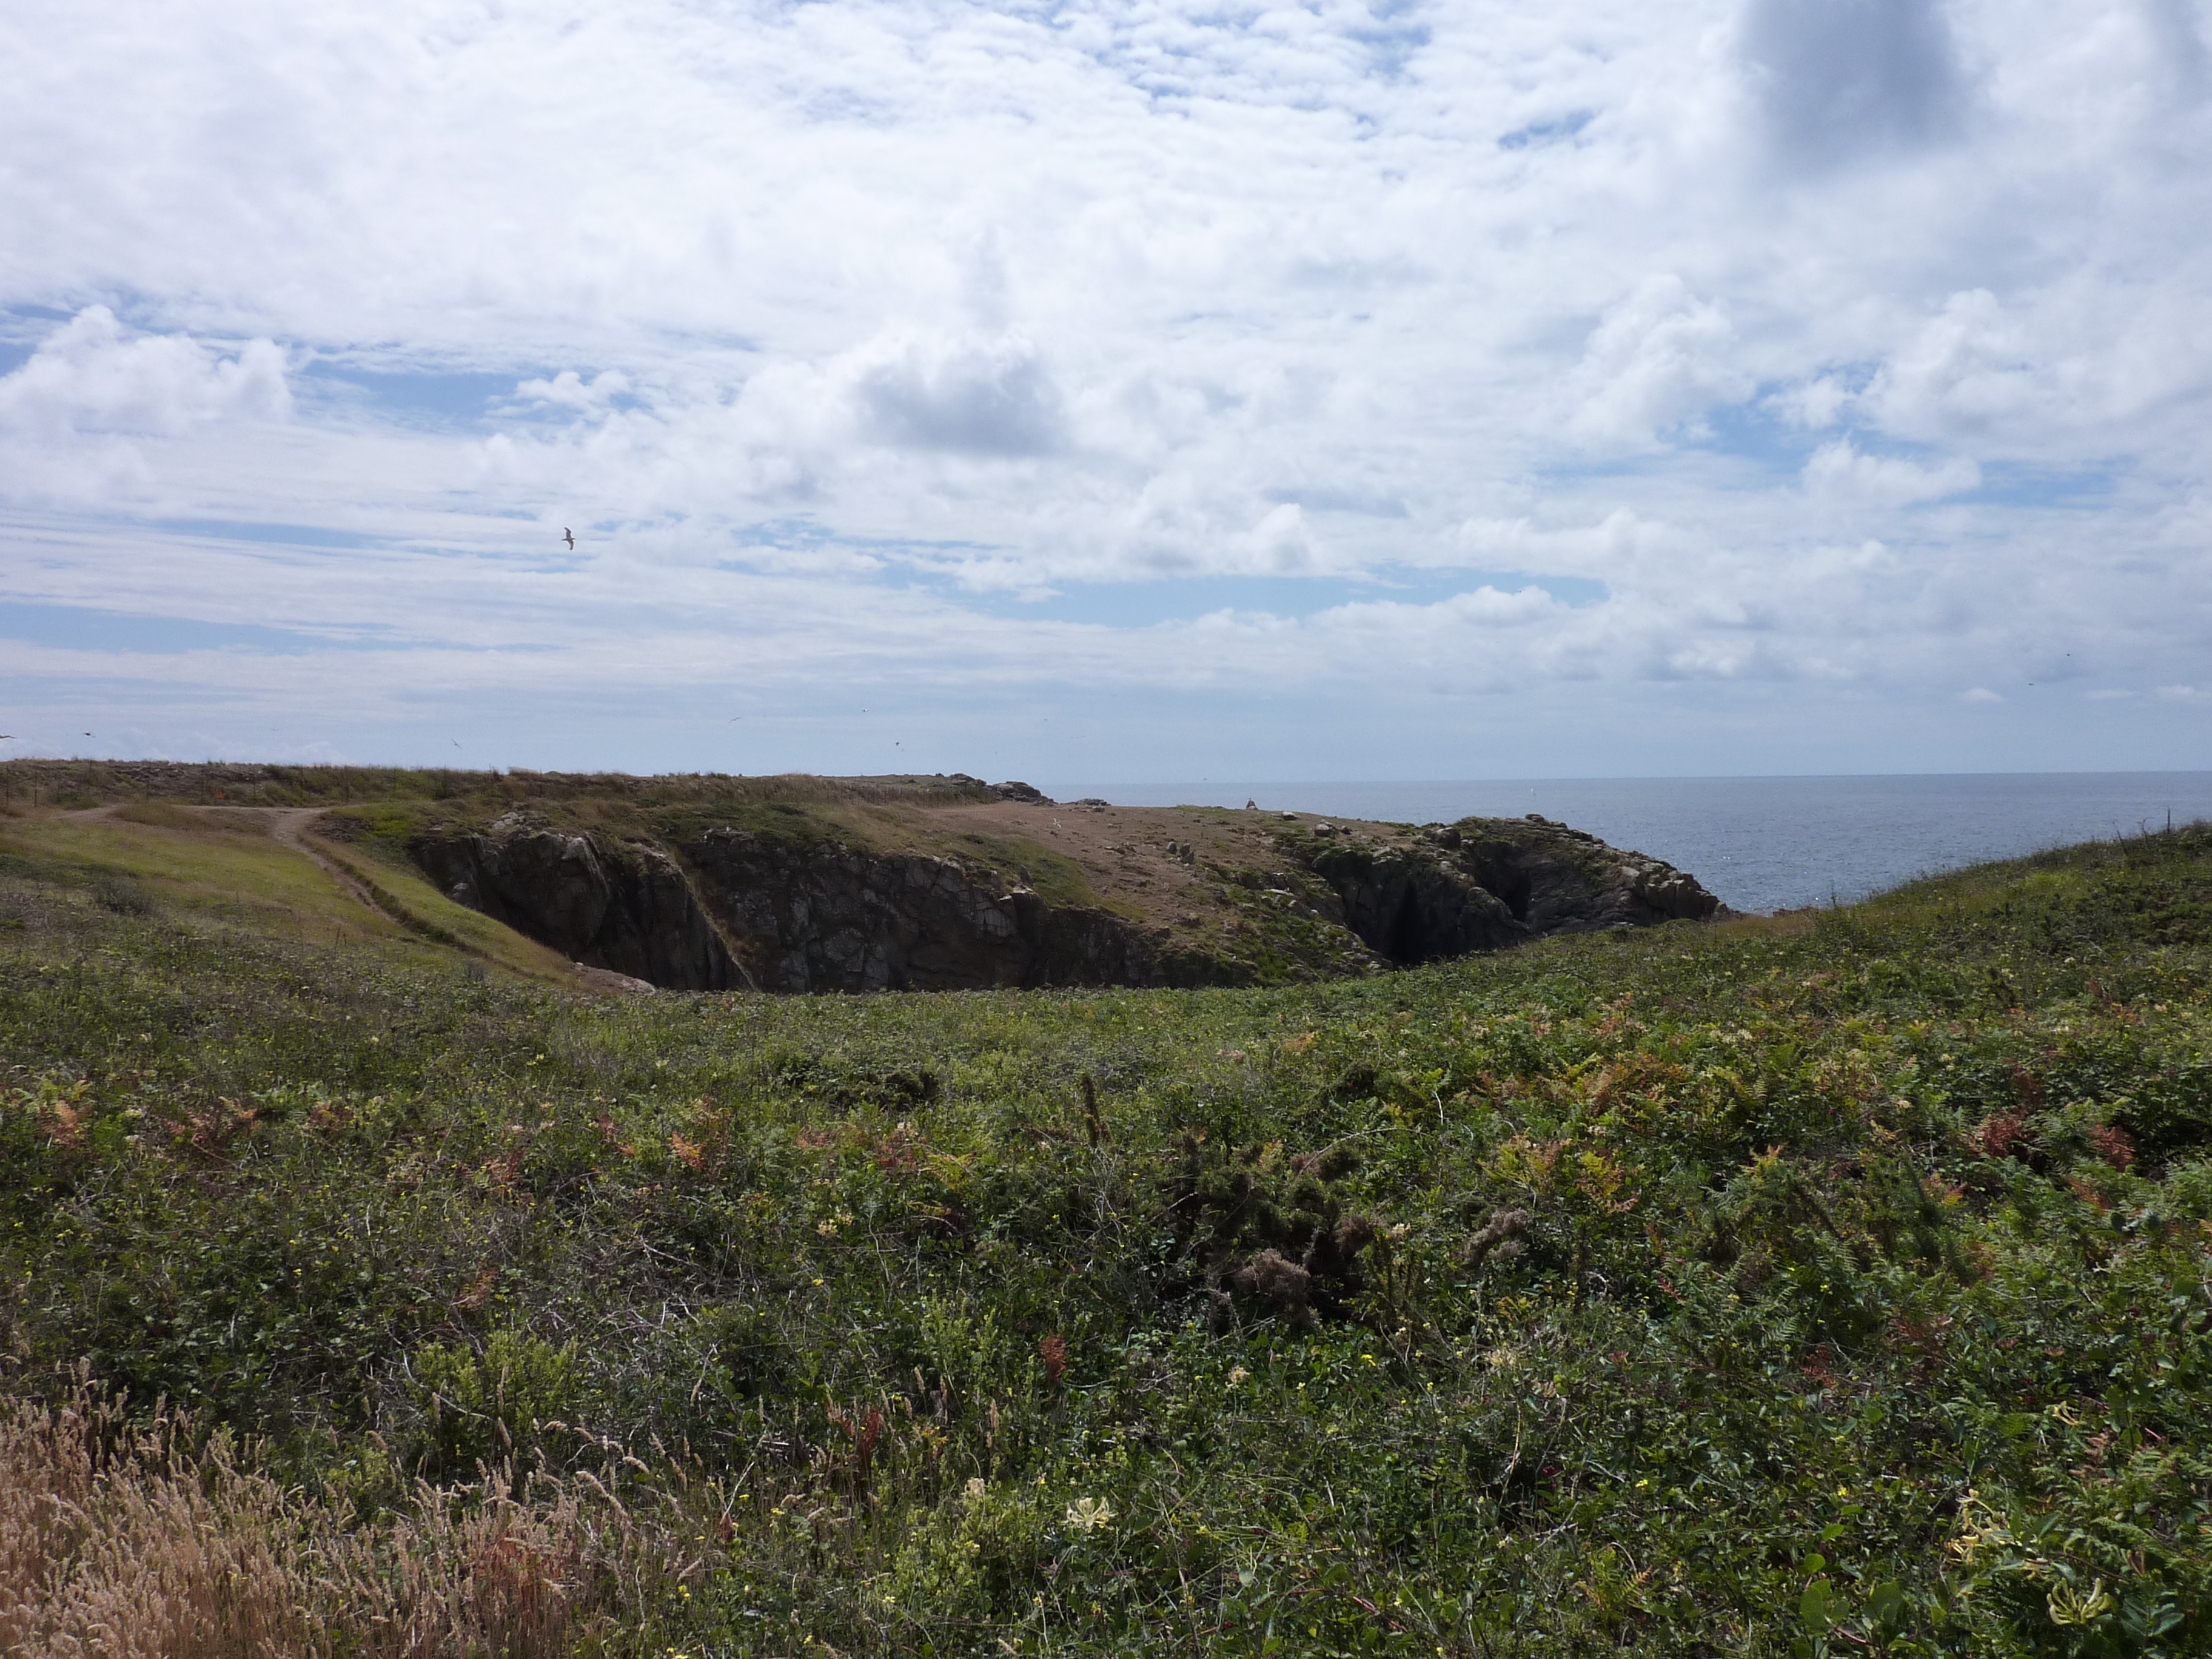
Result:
799,883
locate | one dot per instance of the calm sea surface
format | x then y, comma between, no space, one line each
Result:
1766,843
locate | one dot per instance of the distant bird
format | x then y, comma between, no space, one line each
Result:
568,536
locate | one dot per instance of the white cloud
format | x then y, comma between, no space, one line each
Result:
77,417
1841,472
969,345
1657,362
1814,404
92,375
1980,694
1972,365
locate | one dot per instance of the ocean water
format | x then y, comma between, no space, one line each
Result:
1765,844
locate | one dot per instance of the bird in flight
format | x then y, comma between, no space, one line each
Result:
568,536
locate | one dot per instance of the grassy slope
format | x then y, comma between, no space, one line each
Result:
1862,1300
221,868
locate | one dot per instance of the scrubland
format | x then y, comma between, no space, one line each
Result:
1832,1283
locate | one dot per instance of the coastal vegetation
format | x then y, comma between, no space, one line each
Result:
1834,1282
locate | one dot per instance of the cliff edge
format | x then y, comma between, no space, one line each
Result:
959,885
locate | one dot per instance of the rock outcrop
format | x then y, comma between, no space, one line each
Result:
1559,880
835,918
794,903
630,910
1484,883
1413,905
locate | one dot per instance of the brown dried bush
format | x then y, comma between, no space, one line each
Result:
1283,1284
130,1540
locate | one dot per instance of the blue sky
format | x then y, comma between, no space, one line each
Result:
1132,390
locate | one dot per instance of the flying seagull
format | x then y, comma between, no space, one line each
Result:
569,536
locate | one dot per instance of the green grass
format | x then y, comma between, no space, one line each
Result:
420,909
218,870
1848,1286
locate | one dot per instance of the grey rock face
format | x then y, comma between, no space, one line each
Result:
831,918
1414,906
728,907
1558,880
629,909
1484,883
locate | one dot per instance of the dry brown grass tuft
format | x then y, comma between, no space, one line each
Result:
126,1541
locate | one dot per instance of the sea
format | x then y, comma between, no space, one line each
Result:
1764,843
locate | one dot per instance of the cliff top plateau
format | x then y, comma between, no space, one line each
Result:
804,883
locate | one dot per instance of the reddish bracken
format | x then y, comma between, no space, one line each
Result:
1053,1352
1995,1137
2113,1145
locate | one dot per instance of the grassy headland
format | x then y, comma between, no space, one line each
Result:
1829,1283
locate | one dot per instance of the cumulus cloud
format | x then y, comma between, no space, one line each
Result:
84,417
1840,472
94,375
1971,367
1658,361
1814,403
970,396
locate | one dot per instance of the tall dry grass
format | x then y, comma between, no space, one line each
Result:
123,1539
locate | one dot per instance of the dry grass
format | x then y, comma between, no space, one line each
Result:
126,1541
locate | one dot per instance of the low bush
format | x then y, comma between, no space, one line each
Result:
1802,1285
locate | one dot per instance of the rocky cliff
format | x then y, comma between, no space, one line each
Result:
628,907
832,917
940,896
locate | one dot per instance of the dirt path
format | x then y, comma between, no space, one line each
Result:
288,827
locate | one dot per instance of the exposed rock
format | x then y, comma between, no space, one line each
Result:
629,909
605,979
1559,880
1414,906
800,905
1027,793
835,918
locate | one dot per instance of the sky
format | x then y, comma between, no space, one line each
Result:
1386,389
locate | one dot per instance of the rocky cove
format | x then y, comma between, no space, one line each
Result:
946,883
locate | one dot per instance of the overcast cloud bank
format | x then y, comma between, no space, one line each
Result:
1415,389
